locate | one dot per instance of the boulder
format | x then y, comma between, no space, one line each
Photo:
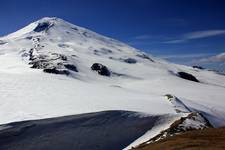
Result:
101,69
188,76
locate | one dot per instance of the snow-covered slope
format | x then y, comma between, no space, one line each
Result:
108,130
46,70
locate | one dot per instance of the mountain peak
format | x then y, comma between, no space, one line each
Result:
40,25
57,29
53,20
50,18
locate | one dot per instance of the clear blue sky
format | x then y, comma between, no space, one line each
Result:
179,30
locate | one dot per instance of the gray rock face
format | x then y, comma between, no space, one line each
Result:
50,62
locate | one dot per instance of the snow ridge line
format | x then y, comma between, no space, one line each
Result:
188,121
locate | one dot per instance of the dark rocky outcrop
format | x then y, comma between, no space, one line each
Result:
86,34
52,63
63,57
74,28
56,71
29,37
43,26
40,64
103,51
71,67
101,69
130,61
198,67
187,76
59,56
106,51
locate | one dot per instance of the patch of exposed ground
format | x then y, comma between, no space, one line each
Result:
207,139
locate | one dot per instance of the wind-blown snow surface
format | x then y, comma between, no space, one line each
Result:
108,130
138,81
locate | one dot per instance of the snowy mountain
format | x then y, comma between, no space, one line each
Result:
52,68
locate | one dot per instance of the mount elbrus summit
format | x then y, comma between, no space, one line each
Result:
66,87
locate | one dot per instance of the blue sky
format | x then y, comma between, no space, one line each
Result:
182,31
